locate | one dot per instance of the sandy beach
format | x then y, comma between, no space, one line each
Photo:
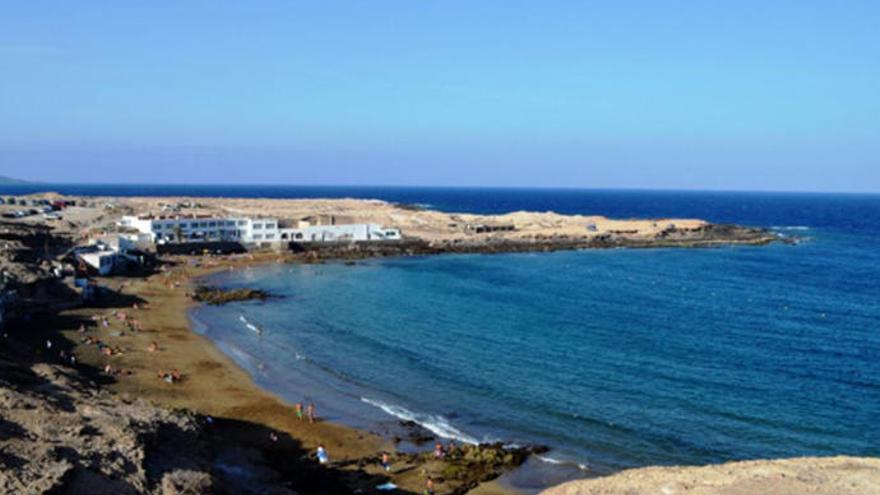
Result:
213,385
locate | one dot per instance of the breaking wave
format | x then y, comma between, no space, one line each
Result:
250,325
437,425
560,462
790,227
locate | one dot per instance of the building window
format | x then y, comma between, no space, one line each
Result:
242,222
258,226
270,225
270,236
258,236
212,224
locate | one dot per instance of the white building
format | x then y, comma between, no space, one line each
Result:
355,232
106,252
200,228
261,232
103,261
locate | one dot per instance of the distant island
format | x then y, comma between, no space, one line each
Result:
5,181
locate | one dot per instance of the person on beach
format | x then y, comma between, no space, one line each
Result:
321,454
310,412
386,462
298,410
153,347
429,486
439,453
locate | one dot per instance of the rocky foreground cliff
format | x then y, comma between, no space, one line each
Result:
800,476
61,434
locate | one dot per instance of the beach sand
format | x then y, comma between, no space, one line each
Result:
213,385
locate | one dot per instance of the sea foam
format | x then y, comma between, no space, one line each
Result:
437,425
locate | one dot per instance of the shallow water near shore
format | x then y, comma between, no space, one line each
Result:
614,358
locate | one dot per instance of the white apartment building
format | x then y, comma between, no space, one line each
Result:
262,231
201,228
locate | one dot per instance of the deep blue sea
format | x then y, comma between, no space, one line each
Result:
614,358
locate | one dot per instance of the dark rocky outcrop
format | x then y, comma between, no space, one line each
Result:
469,465
216,296
709,235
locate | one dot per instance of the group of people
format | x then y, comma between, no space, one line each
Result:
305,413
440,452
172,376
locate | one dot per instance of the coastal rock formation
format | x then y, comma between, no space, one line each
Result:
476,463
800,476
60,434
216,296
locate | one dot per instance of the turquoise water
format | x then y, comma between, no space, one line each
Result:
614,358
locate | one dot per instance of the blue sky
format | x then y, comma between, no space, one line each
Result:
780,95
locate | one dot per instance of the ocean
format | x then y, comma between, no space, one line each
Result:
613,358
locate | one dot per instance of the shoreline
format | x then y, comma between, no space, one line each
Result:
242,398
386,420
213,384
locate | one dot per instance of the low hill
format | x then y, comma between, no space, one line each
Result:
10,181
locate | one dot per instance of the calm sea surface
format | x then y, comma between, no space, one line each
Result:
614,358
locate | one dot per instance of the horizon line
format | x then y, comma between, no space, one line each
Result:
37,183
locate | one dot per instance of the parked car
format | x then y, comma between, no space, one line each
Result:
52,216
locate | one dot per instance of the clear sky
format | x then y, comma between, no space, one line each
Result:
780,95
